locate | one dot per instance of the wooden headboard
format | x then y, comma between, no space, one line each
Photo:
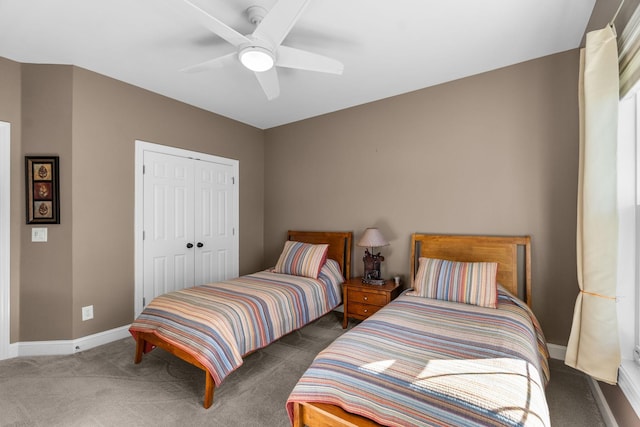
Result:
500,249
339,245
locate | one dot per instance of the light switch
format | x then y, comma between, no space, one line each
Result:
39,234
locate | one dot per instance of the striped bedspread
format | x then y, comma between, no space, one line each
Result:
221,322
425,362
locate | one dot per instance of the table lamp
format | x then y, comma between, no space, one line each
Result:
372,238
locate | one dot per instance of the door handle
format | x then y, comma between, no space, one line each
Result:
200,244
189,245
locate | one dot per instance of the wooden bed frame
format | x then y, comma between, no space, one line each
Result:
512,263
339,245
339,249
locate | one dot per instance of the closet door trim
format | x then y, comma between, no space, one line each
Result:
140,148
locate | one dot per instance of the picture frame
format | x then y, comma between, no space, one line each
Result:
42,189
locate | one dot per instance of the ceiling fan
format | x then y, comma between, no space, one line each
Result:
262,51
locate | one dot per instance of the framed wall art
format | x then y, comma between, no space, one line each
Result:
43,189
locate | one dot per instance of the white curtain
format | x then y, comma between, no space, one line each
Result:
593,344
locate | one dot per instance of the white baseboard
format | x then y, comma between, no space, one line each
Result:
64,347
629,383
557,352
607,416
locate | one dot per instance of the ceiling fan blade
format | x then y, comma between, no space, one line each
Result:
290,57
269,82
279,21
211,64
217,26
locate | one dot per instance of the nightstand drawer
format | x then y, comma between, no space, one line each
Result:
357,296
364,310
362,300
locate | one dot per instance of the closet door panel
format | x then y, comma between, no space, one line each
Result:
213,224
168,224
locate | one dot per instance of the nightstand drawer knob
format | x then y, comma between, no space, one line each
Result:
366,298
366,311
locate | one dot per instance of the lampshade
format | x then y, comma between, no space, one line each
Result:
372,238
256,58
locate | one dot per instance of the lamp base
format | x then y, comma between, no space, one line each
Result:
372,268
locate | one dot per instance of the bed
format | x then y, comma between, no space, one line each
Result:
438,361
213,326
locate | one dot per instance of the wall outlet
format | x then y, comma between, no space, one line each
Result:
636,354
87,313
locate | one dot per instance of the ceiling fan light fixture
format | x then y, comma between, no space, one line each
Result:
257,58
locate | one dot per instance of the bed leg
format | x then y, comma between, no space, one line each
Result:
209,388
140,343
297,415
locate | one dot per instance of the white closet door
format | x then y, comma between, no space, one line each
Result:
189,222
214,260
168,224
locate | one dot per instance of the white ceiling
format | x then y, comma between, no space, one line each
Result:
388,47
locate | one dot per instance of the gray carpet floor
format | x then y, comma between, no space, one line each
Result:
103,387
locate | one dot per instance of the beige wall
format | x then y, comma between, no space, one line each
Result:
46,283
495,153
92,122
490,154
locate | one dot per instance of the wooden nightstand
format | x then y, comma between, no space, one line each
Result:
362,300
